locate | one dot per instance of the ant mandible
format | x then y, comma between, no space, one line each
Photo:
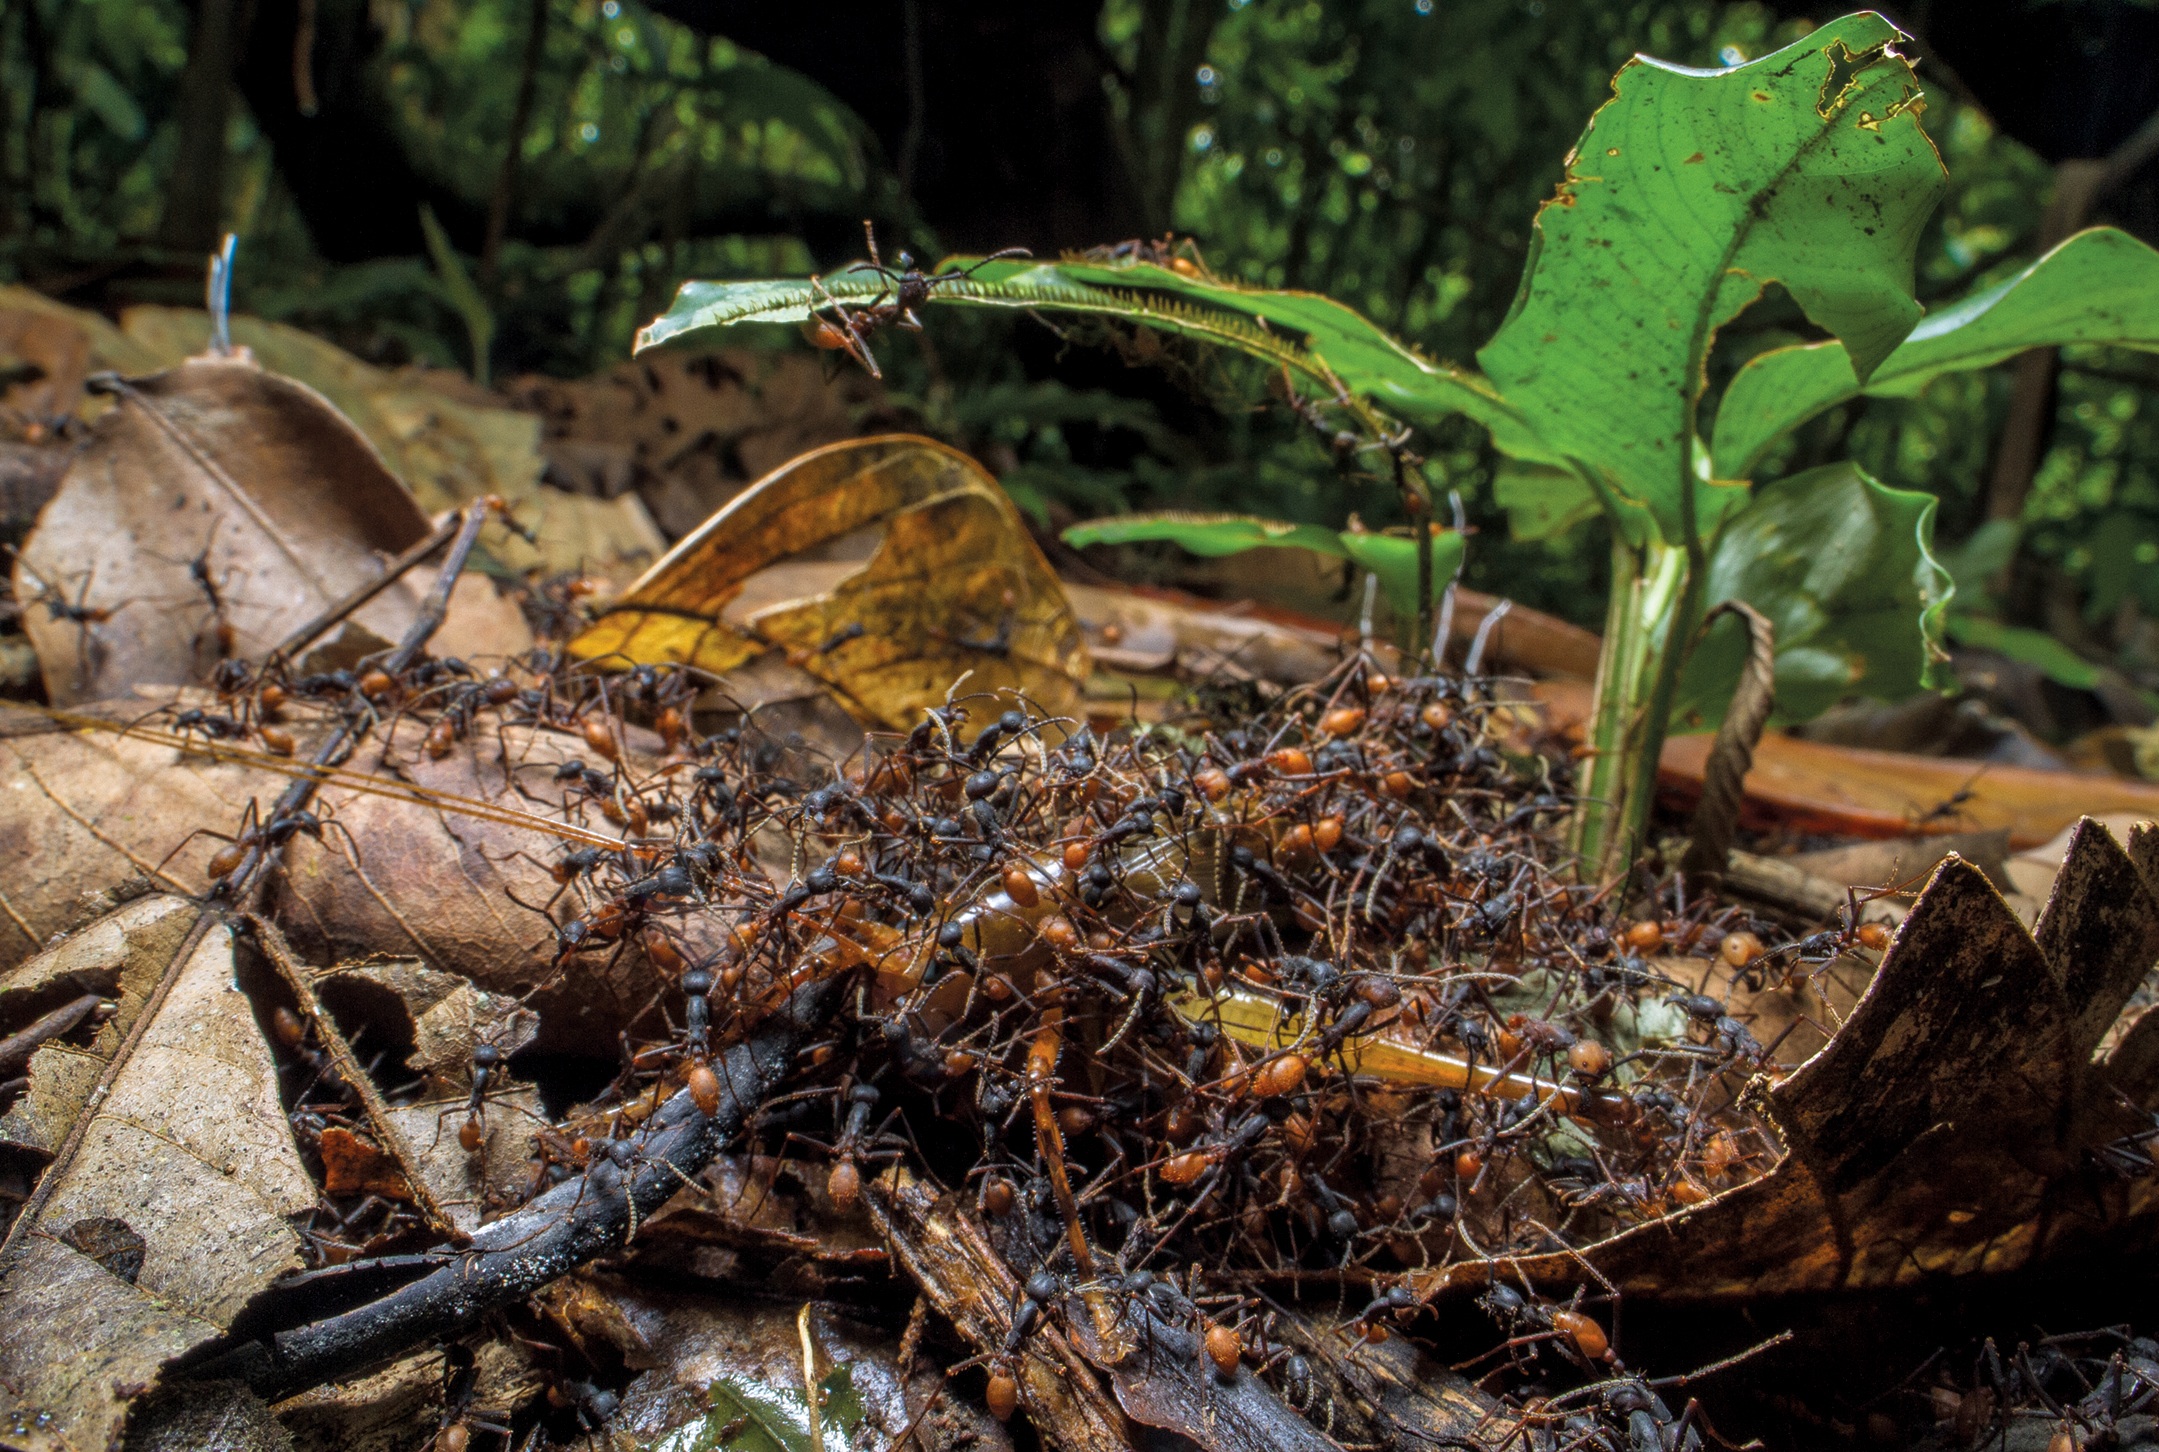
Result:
907,286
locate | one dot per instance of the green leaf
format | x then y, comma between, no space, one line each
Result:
1322,342
1542,502
1690,192
768,1418
463,293
2100,286
1391,557
2034,648
1845,570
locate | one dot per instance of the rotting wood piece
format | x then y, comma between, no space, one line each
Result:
938,1244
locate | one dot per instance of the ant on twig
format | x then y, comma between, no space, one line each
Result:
906,285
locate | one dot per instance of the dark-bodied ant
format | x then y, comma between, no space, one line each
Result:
1575,1334
488,1063
209,724
459,1419
855,1146
77,612
223,637
907,287
264,838
592,1407
1350,999
1030,1305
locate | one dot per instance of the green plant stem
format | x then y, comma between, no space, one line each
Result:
1656,596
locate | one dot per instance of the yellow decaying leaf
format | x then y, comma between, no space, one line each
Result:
956,585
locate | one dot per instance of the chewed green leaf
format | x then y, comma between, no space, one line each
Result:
1690,192
2100,286
1391,557
755,1416
1325,345
1844,568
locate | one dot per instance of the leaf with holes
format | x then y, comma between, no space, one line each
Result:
1691,192
1845,570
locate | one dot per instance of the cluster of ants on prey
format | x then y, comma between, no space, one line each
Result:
1293,993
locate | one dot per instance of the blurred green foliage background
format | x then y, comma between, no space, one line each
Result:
1391,153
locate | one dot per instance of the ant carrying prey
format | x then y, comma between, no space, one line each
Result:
906,286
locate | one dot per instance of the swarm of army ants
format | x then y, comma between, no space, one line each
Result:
1207,1014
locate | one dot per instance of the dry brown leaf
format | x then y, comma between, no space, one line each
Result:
955,586
80,810
120,956
69,344
1952,1126
169,1218
448,440
282,501
443,1017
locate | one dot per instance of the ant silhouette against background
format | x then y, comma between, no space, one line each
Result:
907,287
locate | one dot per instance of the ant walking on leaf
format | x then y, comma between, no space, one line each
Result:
85,617
906,288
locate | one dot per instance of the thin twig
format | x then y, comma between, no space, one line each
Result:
300,639
809,1378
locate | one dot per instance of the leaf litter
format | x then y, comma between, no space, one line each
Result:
1191,1075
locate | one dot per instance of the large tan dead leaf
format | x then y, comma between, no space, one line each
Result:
1954,1125
449,441
283,502
955,586
170,1216
84,810
120,957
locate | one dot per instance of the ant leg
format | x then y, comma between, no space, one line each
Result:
159,870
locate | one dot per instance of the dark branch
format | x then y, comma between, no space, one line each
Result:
571,1224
